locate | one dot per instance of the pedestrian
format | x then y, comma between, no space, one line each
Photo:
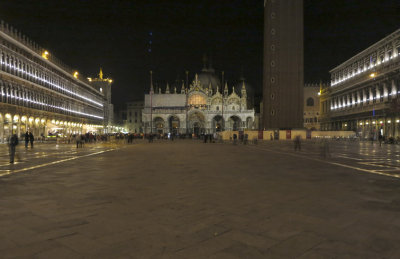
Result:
31,139
234,139
246,137
271,137
13,142
26,139
325,148
297,143
380,139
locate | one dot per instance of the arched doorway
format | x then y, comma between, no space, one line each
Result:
174,125
234,122
196,123
217,123
159,125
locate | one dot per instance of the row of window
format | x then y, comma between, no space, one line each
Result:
21,96
361,97
18,65
366,63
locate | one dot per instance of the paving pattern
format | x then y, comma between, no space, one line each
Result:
187,199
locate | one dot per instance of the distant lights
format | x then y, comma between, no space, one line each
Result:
381,122
373,122
397,121
372,75
389,121
90,79
76,74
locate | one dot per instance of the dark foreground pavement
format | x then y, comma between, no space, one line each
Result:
187,199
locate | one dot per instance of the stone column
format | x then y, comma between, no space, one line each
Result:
378,94
394,90
371,96
359,98
364,95
385,92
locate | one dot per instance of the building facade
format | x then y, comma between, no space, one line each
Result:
312,113
198,109
134,116
40,94
283,64
364,92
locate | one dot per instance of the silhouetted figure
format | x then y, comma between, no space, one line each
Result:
380,139
31,139
13,142
26,139
234,139
297,143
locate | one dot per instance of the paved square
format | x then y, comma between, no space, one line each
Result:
187,199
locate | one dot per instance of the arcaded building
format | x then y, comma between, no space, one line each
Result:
283,64
364,92
40,94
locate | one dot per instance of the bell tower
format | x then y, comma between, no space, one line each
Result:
283,68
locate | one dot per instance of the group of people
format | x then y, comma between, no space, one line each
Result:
13,142
29,138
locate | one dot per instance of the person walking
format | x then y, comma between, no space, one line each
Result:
26,139
13,142
31,139
297,143
380,139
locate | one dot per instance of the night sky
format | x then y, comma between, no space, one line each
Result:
116,35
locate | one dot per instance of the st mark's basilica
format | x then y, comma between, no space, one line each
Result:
202,107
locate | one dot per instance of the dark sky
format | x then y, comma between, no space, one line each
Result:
115,35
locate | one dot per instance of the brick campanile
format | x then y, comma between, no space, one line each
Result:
283,71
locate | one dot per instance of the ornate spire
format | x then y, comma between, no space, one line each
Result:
151,82
226,88
183,87
210,90
101,74
244,93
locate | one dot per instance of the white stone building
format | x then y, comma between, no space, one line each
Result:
202,108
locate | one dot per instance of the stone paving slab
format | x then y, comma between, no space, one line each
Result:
187,199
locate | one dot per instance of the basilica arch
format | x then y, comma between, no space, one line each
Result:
217,123
158,124
174,124
234,123
197,122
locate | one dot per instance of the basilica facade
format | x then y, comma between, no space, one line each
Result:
200,108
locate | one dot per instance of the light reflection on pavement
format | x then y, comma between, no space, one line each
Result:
45,154
361,156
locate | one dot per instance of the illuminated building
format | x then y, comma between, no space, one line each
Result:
40,94
202,107
363,96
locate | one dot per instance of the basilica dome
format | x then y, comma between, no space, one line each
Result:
207,76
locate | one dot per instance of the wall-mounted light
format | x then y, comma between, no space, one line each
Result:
45,54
